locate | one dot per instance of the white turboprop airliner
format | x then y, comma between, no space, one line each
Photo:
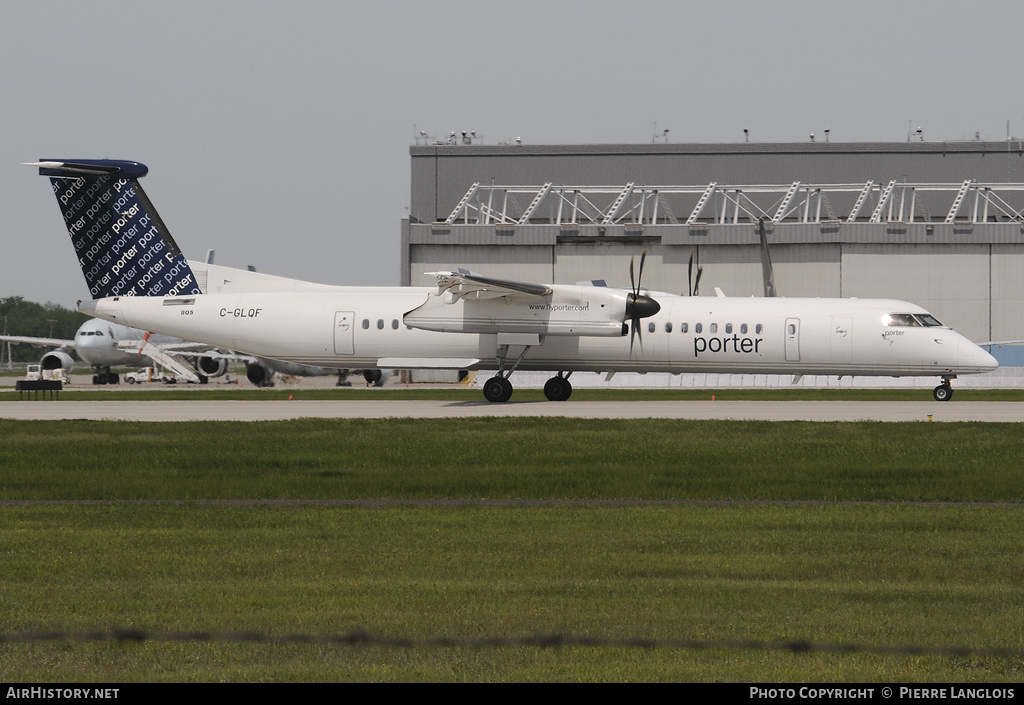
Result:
137,277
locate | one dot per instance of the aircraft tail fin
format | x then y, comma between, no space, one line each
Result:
123,246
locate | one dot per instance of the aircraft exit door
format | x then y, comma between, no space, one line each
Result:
842,339
792,340
344,330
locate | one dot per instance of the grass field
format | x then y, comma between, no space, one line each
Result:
772,532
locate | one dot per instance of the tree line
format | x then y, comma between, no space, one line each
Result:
27,318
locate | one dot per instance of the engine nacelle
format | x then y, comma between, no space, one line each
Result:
566,310
57,360
212,366
259,375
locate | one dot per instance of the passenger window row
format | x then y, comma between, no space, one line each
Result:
380,324
698,328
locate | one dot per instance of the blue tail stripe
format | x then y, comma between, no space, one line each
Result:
123,246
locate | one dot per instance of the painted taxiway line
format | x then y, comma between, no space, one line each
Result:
725,410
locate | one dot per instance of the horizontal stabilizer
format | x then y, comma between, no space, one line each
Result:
91,167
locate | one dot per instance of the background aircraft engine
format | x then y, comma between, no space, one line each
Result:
56,360
259,375
212,366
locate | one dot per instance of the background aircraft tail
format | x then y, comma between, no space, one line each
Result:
122,244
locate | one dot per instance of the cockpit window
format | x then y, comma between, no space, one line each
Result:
900,320
928,319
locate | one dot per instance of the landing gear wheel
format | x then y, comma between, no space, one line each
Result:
557,389
497,389
943,392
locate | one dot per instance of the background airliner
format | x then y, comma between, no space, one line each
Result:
98,343
137,276
102,345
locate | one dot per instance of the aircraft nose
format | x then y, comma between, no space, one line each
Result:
970,355
85,346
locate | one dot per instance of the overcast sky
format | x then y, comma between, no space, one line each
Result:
278,133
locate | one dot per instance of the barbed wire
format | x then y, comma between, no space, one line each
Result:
363,638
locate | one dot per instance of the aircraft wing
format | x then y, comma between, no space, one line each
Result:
466,302
213,354
37,342
988,343
465,282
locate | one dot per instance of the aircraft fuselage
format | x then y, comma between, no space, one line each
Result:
362,327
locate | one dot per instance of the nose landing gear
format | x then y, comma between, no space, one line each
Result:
944,392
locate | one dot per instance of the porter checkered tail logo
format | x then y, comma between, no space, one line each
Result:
121,242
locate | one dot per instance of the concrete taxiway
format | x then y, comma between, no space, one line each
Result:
200,410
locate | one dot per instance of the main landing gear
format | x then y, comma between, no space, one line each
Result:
106,377
944,392
499,389
558,388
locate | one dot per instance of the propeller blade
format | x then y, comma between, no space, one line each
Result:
638,305
689,276
696,284
766,261
635,331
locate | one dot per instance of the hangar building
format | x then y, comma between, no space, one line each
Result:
940,224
